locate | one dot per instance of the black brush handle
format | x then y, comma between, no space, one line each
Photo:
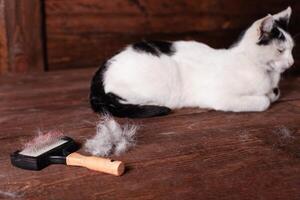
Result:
57,159
56,155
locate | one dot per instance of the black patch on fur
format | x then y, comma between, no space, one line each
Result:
145,47
275,33
164,47
102,102
155,47
97,89
276,91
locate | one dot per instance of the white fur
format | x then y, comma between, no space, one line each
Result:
111,138
238,79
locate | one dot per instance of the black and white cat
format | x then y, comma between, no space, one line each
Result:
150,78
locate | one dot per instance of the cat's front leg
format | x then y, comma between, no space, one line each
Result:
274,94
244,104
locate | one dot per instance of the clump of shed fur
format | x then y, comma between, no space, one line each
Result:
111,138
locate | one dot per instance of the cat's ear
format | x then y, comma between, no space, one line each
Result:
266,26
283,17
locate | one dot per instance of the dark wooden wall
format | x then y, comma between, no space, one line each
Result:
21,39
81,33
65,34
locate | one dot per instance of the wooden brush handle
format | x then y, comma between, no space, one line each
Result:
96,163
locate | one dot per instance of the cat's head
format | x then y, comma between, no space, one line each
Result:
268,41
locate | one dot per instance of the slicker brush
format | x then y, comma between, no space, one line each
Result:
55,148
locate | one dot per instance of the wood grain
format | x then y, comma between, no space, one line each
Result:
23,30
83,32
190,154
3,41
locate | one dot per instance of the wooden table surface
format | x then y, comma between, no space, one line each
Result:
190,154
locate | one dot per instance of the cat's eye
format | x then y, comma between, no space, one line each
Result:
280,50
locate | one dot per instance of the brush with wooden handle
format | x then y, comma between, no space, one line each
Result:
54,148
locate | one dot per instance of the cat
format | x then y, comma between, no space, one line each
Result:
149,78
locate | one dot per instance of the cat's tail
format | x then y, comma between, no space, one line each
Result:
102,102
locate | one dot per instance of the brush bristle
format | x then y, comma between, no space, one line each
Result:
43,143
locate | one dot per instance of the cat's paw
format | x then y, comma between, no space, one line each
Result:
264,104
274,95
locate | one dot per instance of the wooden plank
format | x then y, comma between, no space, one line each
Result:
137,24
158,16
24,35
162,7
3,41
189,154
97,48
96,29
